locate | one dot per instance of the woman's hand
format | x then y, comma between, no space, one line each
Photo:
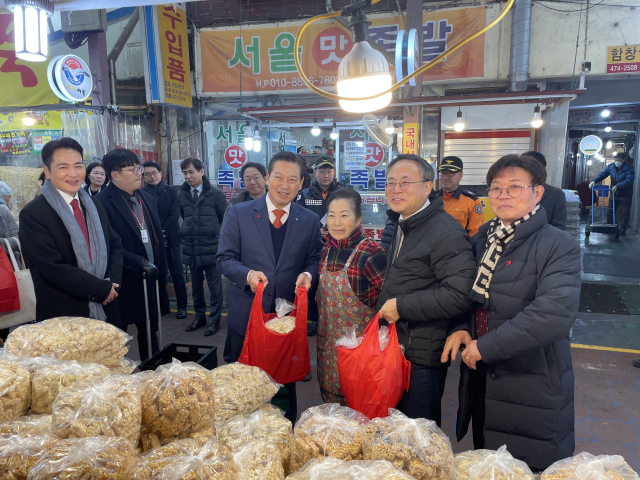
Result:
471,355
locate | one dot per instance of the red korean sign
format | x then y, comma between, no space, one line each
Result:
265,57
235,156
375,155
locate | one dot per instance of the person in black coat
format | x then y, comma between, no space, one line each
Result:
96,179
553,200
388,233
254,177
528,287
169,212
430,270
134,216
202,207
63,288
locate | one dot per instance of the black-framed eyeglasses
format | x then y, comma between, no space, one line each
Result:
514,191
403,185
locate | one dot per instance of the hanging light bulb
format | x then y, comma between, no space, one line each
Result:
315,130
609,144
248,138
30,28
28,120
607,128
606,112
257,140
589,162
537,118
390,128
459,125
363,72
334,133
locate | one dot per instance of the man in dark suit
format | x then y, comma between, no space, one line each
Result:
553,200
74,255
169,212
274,241
134,217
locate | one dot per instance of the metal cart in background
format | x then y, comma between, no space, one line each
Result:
598,221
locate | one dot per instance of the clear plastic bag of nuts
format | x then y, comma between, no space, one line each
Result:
328,430
240,389
282,323
330,468
266,423
149,465
178,398
70,338
213,462
15,392
416,446
49,381
489,465
95,458
150,441
107,406
27,426
19,454
586,466
259,460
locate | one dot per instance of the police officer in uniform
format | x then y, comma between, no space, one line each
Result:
315,198
461,204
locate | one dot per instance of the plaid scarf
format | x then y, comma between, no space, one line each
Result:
497,240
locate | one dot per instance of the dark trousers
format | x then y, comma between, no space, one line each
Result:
623,211
214,280
174,261
425,393
286,398
312,306
142,338
479,389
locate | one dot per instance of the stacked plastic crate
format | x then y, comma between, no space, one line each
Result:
573,212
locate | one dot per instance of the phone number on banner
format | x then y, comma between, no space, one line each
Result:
296,82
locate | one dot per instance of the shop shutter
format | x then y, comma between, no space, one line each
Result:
479,150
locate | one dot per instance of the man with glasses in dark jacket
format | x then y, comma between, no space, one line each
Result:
169,211
202,207
426,291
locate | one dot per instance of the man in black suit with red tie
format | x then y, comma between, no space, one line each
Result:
74,255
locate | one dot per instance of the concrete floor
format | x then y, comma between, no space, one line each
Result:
607,395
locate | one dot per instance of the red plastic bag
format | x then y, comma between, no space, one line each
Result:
285,357
9,294
372,380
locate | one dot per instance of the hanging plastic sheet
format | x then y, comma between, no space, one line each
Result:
89,128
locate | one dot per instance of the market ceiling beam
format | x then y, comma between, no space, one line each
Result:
65,5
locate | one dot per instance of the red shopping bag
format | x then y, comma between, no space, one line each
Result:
9,295
372,380
285,357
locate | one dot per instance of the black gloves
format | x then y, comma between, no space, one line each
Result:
149,270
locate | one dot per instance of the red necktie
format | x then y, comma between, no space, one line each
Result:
278,213
83,225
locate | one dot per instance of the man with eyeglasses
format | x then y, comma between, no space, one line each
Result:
169,211
254,177
461,204
134,216
427,286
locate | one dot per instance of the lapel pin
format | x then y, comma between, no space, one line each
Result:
259,216
508,262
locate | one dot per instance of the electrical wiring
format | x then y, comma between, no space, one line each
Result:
406,79
569,11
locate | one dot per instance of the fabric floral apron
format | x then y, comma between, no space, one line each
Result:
338,308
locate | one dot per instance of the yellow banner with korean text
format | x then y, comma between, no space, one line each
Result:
265,58
411,139
24,84
623,59
174,49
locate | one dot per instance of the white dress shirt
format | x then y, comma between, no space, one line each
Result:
421,208
198,188
68,198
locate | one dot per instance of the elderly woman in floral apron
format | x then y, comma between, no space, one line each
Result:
351,274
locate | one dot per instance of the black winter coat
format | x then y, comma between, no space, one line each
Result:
168,210
311,199
431,279
388,233
554,203
533,301
201,223
62,289
131,296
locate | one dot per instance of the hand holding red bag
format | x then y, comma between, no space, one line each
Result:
9,294
372,380
285,357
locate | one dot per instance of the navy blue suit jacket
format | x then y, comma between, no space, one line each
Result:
245,245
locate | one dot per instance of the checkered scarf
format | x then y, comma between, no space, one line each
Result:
497,240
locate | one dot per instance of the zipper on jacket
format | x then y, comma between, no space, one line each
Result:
410,337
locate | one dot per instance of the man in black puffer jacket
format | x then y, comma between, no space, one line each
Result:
202,207
426,291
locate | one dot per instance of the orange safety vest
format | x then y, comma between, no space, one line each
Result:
465,207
